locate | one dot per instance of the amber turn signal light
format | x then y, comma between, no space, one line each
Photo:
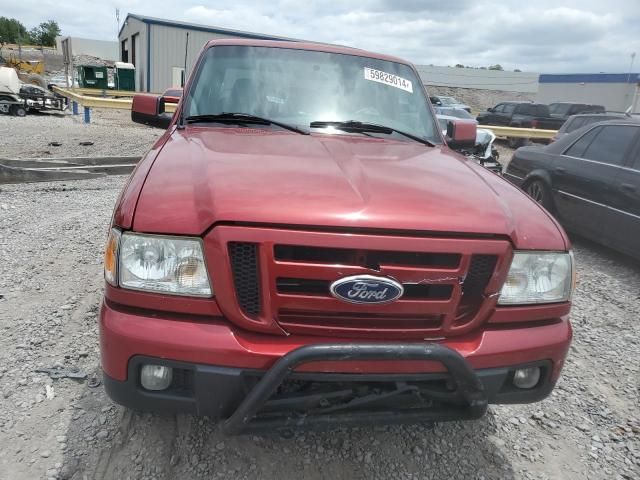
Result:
111,257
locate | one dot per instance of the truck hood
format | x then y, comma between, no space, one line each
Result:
206,175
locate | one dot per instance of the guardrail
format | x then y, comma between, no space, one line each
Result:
89,101
89,98
101,92
519,132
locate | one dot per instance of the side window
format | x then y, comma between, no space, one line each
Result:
577,109
526,109
542,111
509,108
578,148
611,144
576,123
499,108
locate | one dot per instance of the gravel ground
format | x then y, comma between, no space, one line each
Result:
111,131
50,291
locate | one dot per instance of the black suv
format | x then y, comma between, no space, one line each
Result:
520,114
565,109
575,122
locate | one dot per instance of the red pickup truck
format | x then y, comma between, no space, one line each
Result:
302,247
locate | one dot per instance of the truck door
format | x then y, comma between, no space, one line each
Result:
491,116
504,117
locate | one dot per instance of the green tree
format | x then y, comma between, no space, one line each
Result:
497,66
12,31
459,65
517,70
45,34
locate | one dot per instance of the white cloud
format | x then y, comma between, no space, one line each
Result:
544,36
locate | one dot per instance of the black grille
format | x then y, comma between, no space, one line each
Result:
244,264
366,258
480,271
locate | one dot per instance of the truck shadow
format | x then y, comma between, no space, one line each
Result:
106,441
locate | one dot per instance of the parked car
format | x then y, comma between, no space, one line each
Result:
575,122
451,102
314,252
590,180
564,110
454,112
522,115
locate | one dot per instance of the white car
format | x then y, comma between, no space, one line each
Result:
450,102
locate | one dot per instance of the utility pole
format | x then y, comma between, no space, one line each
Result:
117,22
635,83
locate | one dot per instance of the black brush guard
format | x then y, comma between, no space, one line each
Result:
468,400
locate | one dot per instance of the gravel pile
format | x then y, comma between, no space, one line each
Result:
110,133
51,243
479,99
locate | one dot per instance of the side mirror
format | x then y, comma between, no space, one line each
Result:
461,134
490,109
149,110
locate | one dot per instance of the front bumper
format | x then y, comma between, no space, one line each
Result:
228,373
243,398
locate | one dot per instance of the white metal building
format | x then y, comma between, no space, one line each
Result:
614,91
479,79
157,48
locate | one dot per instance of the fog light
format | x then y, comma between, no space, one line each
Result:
156,377
526,377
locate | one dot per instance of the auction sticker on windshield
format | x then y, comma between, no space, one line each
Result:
388,79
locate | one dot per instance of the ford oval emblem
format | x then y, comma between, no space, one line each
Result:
366,289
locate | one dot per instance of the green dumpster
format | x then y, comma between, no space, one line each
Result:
125,76
91,76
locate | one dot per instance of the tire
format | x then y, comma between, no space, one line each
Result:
19,111
540,193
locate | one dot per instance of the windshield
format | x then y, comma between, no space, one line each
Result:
298,87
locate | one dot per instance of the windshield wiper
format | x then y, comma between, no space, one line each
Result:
357,126
242,118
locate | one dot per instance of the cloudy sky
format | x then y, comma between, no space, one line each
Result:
551,36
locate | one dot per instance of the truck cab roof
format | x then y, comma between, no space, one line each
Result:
312,46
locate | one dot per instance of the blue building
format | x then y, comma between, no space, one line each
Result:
615,91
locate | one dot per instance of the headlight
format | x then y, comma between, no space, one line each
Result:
173,265
538,277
